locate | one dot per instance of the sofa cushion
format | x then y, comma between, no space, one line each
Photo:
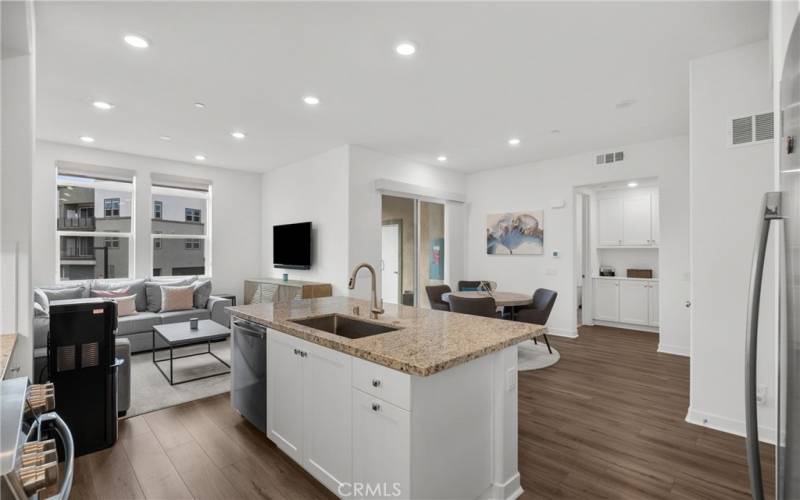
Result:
135,287
77,292
141,322
202,291
176,298
153,291
179,316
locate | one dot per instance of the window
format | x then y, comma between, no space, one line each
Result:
158,209
181,236
93,243
193,215
111,207
191,244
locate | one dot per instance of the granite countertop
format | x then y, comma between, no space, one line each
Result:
7,342
427,342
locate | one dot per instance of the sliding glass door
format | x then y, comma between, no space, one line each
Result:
412,249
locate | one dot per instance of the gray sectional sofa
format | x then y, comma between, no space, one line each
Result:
138,327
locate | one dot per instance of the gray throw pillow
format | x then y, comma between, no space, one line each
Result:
135,287
78,292
202,291
153,291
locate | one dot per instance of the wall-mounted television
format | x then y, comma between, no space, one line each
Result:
291,246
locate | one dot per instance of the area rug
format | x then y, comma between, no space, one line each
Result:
150,391
532,356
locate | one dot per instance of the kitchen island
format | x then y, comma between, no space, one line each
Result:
426,410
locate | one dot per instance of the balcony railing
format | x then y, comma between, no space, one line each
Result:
75,255
76,223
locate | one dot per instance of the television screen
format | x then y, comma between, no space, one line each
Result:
291,246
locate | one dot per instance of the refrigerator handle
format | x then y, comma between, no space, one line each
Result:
770,211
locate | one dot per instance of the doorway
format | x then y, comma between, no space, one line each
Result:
391,260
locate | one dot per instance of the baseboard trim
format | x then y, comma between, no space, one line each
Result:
562,332
627,326
677,350
728,425
508,490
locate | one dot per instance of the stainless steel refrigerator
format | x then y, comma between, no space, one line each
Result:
782,206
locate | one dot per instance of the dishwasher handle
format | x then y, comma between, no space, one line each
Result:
250,329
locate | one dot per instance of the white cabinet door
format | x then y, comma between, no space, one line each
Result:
381,444
328,406
655,227
653,302
609,221
606,299
634,302
285,393
636,220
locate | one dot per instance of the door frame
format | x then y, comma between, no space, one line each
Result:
399,224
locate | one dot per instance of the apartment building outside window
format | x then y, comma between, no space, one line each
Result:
181,235
94,243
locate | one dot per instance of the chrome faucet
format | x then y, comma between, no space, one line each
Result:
376,307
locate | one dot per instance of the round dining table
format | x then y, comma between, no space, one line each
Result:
502,299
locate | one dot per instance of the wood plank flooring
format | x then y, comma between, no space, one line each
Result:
605,422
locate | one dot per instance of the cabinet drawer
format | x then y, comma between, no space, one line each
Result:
390,385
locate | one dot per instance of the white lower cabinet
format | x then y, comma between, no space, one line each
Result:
381,446
309,406
606,300
631,302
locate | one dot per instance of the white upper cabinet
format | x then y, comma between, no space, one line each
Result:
627,218
636,220
609,221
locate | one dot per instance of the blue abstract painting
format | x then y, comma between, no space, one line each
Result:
518,233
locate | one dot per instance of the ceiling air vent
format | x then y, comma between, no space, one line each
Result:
751,129
605,158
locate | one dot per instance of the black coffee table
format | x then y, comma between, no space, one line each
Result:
180,335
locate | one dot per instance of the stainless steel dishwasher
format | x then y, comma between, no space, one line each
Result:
249,367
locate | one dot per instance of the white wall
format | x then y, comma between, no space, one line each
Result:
727,185
534,186
315,190
18,128
235,220
365,209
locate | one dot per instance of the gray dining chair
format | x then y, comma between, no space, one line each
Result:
480,306
539,311
435,293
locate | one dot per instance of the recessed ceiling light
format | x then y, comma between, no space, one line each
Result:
87,139
555,131
442,158
632,184
237,134
626,103
199,105
311,100
136,41
514,141
105,106
406,49
165,138
199,157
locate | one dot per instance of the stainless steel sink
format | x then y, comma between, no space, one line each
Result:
344,326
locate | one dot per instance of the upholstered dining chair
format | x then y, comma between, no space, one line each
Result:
471,286
435,293
479,306
539,311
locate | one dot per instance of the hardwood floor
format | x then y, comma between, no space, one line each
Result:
605,422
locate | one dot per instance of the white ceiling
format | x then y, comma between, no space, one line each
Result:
484,72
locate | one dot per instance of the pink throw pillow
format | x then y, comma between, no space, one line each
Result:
126,306
177,298
111,294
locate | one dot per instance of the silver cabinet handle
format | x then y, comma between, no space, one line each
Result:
303,354
376,383
770,211
376,407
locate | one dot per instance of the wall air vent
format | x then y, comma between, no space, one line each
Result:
751,129
605,158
